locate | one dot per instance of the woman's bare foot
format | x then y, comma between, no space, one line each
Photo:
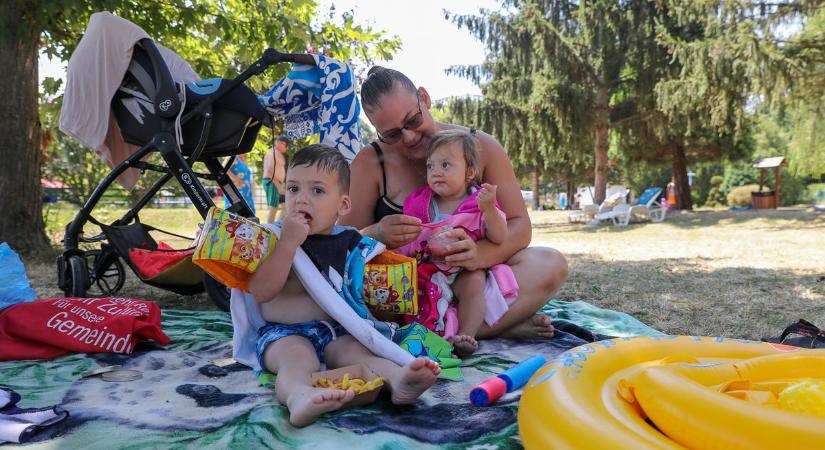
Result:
306,406
464,345
536,327
413,379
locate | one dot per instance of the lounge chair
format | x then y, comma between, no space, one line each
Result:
589,212
646,207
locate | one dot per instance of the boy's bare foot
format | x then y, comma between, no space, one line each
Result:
536,327
413,379
464,345
305,407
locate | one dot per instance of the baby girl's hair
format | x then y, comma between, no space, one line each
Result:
469,146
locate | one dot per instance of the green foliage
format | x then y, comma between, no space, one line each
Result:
806,152
715,197
791,189
643,175
222,37
218,37
702,180
738,174
741,196
815,194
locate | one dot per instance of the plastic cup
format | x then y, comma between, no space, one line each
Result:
438,243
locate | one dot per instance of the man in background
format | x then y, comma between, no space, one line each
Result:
274,176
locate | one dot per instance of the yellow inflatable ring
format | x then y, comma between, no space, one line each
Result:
599,396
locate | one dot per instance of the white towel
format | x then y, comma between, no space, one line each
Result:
17,425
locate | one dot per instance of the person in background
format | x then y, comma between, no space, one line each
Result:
242,178
274,176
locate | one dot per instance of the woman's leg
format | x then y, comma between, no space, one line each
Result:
540,272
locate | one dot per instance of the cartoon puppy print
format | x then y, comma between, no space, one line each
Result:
376,278
384,295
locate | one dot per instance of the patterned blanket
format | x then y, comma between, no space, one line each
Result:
184,400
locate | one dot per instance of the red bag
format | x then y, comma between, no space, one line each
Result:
151,263
45,329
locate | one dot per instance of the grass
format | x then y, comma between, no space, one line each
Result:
742,274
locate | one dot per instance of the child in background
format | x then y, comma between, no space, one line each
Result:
299,334
241,177
452,178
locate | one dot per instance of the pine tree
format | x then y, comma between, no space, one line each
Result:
551,69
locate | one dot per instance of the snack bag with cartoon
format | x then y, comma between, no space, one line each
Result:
231,247
390,283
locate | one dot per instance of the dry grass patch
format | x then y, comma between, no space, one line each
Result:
743,274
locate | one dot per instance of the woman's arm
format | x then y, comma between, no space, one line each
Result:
496,227
497,170
364,192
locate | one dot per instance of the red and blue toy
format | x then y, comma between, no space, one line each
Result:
489,391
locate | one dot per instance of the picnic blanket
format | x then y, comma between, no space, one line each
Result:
185,401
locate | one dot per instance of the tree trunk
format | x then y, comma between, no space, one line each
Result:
600,145
571,194
21,220
680,178
535,187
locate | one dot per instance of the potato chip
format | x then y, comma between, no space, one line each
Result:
357,385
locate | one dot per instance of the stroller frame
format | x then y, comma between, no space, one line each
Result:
78,269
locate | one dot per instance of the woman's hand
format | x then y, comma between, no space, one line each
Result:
464,252
398,230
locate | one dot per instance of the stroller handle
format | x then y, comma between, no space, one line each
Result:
269,57
272,56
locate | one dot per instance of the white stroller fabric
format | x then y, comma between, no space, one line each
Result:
95,72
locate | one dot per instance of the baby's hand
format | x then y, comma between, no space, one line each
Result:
487,197
294,229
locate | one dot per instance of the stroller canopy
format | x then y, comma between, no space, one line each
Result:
95,72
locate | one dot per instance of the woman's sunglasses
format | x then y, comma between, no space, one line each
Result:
393,136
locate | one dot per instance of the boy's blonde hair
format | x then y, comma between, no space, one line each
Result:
469,146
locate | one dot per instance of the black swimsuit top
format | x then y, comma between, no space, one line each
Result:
384,206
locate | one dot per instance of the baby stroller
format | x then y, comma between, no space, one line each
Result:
197,122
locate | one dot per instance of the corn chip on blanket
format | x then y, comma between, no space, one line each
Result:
184,401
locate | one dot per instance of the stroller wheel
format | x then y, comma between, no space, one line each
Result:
78,277
217,292
108,279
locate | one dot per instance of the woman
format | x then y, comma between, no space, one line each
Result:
385,172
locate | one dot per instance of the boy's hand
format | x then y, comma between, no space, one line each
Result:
294,229
486,198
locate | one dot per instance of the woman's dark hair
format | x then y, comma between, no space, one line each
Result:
380,81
